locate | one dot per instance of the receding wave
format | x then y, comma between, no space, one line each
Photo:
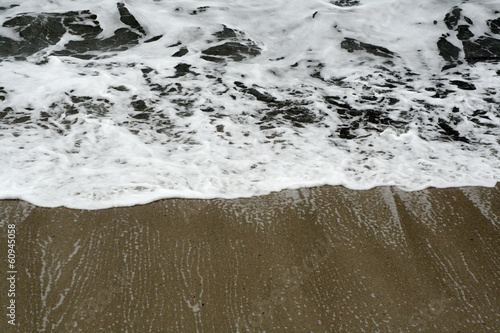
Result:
109,104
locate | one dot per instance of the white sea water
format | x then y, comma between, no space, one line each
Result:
71,135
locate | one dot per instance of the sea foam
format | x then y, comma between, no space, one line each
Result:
242,98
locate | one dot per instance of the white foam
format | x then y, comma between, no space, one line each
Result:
101,157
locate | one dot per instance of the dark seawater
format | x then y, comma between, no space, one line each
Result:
119,103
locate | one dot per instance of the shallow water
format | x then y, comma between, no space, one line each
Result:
105,104
324,259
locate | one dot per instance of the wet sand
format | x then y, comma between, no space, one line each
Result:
324,259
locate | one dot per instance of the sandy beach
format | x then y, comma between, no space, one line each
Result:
324,259
107,106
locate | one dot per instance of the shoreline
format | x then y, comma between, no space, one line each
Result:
315,259
249,196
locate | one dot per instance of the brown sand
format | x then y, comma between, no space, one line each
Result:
325,259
